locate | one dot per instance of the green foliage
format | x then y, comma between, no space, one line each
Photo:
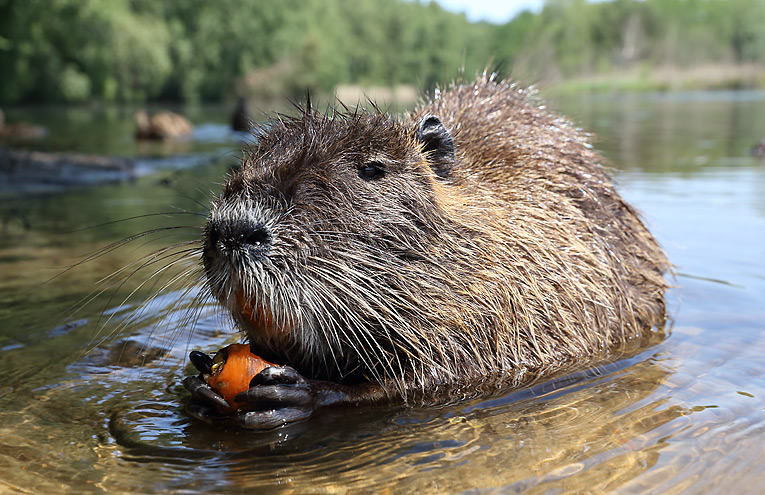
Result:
74,50
73,84
571,38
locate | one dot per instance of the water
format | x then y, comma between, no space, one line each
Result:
684,416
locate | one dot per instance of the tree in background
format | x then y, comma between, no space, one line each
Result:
186,50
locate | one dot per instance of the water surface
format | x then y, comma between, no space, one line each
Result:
683,416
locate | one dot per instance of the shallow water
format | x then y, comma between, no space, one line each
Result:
683,416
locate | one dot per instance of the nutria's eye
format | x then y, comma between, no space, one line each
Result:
371,170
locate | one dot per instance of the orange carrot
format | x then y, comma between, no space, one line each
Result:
233,368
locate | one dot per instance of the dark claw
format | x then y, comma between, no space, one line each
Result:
278,396
266,420
277,375
201,362
202,391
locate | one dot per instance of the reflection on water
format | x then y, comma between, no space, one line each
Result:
683,416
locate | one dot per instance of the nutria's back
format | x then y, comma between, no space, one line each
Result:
478,238
588,273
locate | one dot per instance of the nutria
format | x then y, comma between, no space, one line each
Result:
161,125
20,131
476,242
758,150
240,119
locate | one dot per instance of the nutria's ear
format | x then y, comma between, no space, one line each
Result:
438,143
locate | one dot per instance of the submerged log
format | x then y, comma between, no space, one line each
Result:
20,169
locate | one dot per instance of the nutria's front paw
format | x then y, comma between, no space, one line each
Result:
277,395
200,390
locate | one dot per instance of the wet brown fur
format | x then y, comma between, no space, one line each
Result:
522,260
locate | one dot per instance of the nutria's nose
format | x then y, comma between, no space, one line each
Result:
241,237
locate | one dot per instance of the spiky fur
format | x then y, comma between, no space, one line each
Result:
523,259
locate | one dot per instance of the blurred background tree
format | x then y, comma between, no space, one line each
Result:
191,50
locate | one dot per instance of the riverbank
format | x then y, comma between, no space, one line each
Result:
698,78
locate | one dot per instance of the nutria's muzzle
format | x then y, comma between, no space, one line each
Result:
237,252
233,238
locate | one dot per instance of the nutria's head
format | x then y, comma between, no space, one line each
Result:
308,243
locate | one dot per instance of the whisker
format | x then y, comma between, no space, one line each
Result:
138,312
179,211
